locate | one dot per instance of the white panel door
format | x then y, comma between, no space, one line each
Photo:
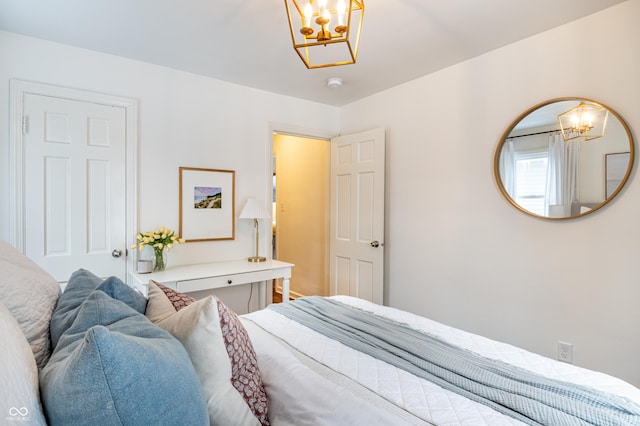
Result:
74,186
356,249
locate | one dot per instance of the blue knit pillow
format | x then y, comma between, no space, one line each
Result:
113,366
80,285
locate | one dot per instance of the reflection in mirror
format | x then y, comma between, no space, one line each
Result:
564,158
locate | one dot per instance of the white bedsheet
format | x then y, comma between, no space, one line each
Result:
302,392
288,380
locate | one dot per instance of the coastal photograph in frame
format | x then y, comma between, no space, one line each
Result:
206,204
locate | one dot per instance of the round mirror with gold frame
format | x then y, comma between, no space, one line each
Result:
564,158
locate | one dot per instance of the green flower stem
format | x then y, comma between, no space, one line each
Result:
160,263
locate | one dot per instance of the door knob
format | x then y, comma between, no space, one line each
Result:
374,243
116,253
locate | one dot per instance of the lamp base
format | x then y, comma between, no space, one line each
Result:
257,259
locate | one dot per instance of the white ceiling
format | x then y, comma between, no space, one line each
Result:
248,42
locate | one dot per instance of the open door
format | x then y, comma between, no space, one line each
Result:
356,252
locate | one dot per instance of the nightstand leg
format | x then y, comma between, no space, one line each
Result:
285,289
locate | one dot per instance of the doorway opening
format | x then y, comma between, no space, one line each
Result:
300,203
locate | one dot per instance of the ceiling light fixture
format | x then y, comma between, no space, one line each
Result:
314,41
583,122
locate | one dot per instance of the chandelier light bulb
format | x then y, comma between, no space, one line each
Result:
341,10
326,15
308,12
588,119
575,120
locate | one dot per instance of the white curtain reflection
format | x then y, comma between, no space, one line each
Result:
553,200
508,168
562,176
571,181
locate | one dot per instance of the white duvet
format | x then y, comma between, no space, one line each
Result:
323,382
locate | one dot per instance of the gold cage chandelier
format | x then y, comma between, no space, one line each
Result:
327,35
583,122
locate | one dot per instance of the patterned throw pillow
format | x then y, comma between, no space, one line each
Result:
177,299
245,375
222,353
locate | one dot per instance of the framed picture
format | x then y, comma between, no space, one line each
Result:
206,204
615,168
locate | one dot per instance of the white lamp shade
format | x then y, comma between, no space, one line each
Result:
254,209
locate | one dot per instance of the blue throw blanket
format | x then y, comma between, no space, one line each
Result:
519,393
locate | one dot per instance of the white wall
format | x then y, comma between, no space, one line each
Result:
460,253
184,120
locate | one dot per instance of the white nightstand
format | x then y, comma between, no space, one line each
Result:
207,276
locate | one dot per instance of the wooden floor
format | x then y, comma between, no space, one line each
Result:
277,297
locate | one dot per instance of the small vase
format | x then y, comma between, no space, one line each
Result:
160,262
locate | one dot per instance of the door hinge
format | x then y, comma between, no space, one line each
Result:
25,124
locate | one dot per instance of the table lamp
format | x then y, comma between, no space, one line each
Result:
253,209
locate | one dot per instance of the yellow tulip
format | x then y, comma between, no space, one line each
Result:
160,238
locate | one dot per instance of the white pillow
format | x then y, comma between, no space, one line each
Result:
19,395
30,294
198,327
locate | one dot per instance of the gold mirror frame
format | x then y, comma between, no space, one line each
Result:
551,108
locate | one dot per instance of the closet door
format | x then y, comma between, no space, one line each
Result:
74,186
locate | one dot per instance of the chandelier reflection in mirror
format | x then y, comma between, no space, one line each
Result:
325,33
583,122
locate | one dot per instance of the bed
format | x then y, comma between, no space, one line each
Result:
101,353
344,386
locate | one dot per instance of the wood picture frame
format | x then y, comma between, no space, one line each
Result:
207,204
615,169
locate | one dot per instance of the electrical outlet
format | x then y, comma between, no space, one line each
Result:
565,352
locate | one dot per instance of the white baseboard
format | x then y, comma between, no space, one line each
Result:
292,294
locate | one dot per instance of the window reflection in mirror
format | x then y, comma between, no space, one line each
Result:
546,176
